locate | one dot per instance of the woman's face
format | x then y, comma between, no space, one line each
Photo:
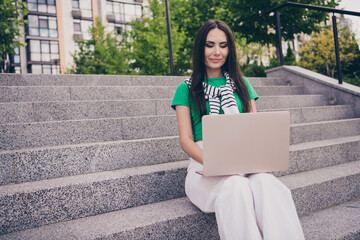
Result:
216,50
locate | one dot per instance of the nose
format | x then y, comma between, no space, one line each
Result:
217,50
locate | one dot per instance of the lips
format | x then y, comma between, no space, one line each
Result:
215,60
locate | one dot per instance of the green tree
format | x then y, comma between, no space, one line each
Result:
147,42
102,54
188,16
351,72
249,18
290,58
10,27
273,63
246,18
318,54
253,69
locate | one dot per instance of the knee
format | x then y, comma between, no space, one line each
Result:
266,179
235,182
233,186
262,178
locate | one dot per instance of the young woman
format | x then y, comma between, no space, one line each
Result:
256,206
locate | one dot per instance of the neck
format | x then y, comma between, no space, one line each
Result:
214,73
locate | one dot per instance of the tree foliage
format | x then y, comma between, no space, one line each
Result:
10,26
351,71
253,69
247,19
102,54
147,42
290,58
189,16
318,54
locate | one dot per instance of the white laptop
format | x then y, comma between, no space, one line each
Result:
245,143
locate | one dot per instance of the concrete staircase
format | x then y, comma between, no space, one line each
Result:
98,157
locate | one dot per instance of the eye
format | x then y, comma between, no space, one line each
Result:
224,45
209,45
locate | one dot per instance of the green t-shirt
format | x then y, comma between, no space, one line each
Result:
182,98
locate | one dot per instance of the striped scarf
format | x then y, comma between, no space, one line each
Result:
226,93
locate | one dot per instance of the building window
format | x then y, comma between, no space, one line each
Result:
45,69
75,4
15,61
77,26
118,30
42,6
118,27
44,51
84,6
17,56
132,12
123,12
42,26
17,69
83,27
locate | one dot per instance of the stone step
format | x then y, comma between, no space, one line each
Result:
113,80
268,81
87,80
278,90
312,191
337,222
51,162
314,155
341,221
309,132
34,164
90,194
76,110
41,134
325,187
28,165
291,101
318,113
76,93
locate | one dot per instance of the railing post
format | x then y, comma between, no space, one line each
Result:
338,63
172,69
278,35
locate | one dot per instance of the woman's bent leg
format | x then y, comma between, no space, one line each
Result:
202,191
231,200
234,210
274,207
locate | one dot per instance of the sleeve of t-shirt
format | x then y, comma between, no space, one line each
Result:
181,96
252,92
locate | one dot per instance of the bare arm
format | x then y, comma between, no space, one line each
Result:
186,134
252,105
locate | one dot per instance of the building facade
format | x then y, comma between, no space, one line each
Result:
54,25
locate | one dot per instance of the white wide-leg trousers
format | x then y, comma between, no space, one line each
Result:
258,206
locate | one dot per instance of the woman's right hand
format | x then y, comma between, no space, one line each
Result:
186,134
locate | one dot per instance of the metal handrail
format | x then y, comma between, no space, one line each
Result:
319,8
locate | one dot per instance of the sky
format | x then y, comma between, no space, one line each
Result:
352,5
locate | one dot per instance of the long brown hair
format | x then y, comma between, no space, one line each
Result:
230,66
